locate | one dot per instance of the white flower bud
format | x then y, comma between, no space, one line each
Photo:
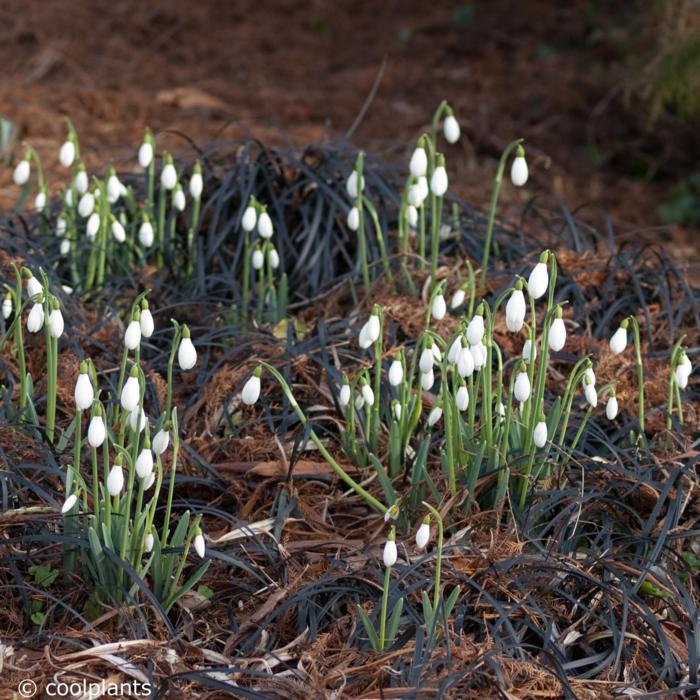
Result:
458,299
86,205
515,311
611,408
419,162
518,171
397,410
369,333
179,202
35,320
96,432
251,390
426,360
438,182
423,536
591,395
22,173
114,189
161,441
395,373
61,226
475,330
132,337
148,543
427,379
146,323
145,154
390,553
540,434
69,503
359,402
528,351
199,545
618,342
131,393
451,129
144,464
344,396
149,481
538,281
258,260
354,219
168,177
465,363
84,393
134,423
40,201
412,216
557,335
265,228
521,390
368,394
7,306
273,258
64,248
118,232
81,183
196,185
66,155
56,324
351,184
249,219
186,354
34,288
146,234
462,398
434,416
439,308
115,480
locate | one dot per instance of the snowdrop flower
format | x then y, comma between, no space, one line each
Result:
186,353
354,219
590,374
118,231
64,248
538,281
423,533
359,402
148,543
61,226
161,441
368,394
455,349
145,155
7,306
273,258
69,503
257,259
465,362
591,394
683,371
81,181
392,513
427,379
416,196
34,287
68,198
451,128
427,358
96,431
22,172
369,333
146,320
397,410
199,544
557,333
66,154
251,390
540,434
438,182
265,228
132,336
395,373
35,320
146,232
462,398
134,423
114,188
249,219
144,463
344,395
40,201
168,175
351,184
611,407
196,182
56,324
478,353
434,416
93,226
149,481
516,310
390,554
436,353
412,216
419,161
179,202
528,352
618,342
84,393
115,480
475,329
439,308
86,205
518,170
131,391
458,298
521,390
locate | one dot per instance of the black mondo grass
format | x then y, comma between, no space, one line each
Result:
594,580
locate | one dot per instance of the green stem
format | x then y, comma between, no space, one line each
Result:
385,605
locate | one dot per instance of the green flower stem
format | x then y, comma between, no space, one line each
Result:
450,437
436,204
675,353
194,525
373,434
245,294
103,235
107,499
171,360
438,561
498,180
385,605
380,239
503,467
194,225
359,166
19,339
640,369
340,472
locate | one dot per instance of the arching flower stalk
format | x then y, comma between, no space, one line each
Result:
196,189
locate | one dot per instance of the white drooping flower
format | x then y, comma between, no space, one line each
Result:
258,260
475,330
465,362
354,219
251,390
81,181
439,308
131,393
427,379
144,464
515,311
35,320
478,353
417,195
454,350
265,228
199,545
86,205
462,398
528,352
186,353
22,173
518,170
93,226
683,371
557,335
419,162
66,154
344,395
451,129
368,394
196,184
179,202
458,298
438,181
611,408
412,216
148,543
538,281
96,432
618,342
426,360
145,153
40,201
146,234
434,416
436,353
68,197
115,189
149,481
397,410
84,393
369,333
591,395
521,390
34,287
137,420
540,434
423,535
132,336
56,324
69,503
118,231
161,441
168,176
351,184
7,306
115,480
359,402
249,219
390,554
146,322
395,373
61,226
